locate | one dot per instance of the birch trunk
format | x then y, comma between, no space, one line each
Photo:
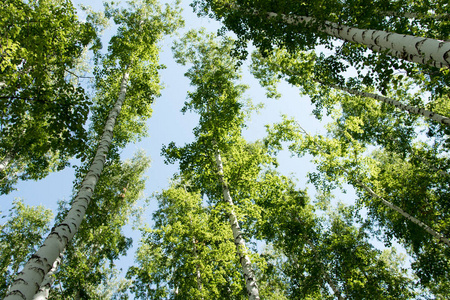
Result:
30,278
431,51
250,280
197,266
416,221
411,109
328,279
413,58
49,279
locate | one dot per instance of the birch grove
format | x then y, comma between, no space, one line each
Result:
236,218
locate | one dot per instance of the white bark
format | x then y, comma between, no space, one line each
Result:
29,280
431,51
49,279
413,58
197,266
412,109
416,221
328,279
250,280
316,258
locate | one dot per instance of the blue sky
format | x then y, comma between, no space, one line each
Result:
169,124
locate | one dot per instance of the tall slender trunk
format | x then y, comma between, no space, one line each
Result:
429,50
49,279
197,265
336,291
250,280
411,109
30,278
416,221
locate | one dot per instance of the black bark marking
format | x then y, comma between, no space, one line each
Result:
16,293
41,271
21,280
387,37
446,56
65,225
58,236
417,46
376,40
348,31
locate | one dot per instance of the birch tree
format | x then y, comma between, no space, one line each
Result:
345,27
100,241
43,107
189,252
209,161
132,58
327,257
283,23
303,70
343,160
350,100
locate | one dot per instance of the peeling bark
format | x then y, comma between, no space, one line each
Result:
29,280
249,275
